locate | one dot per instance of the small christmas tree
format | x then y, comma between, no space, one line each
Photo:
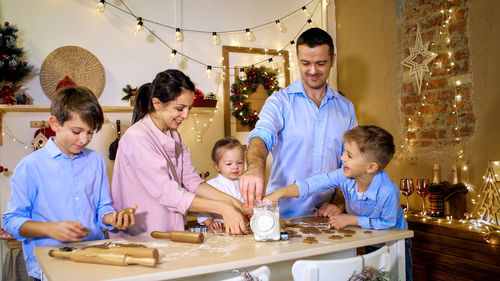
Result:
489,207
12,68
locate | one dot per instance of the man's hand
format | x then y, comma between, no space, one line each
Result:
328,210
251,185
65,231
342,220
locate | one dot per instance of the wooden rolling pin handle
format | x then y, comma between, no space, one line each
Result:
160,234
140,261
180,236
59,254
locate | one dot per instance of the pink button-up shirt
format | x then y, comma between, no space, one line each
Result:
163,190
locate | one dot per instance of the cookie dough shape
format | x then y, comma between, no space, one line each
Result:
310,240
335,237
347,231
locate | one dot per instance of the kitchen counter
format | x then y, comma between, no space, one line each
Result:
219,254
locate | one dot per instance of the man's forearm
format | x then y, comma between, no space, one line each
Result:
256,154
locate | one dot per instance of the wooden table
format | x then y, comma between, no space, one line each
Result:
445,250
219,254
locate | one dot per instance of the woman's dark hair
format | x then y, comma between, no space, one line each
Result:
167,86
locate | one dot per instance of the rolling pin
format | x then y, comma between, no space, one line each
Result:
102,258
180,236
135,252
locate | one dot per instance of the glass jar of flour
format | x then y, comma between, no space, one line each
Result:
265,222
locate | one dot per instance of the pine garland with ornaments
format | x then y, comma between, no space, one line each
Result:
244,87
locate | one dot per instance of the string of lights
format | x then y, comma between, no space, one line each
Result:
215,35
445,62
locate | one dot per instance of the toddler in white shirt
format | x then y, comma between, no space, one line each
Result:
228,157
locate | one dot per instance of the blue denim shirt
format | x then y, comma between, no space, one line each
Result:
304,141
377,208
48,186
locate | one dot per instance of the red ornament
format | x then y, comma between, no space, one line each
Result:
14,68
5,169
25,63
6,23
1,169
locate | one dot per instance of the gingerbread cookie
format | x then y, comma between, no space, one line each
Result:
346,231
312,230
367,231
329,230
335,237
310,240
347,235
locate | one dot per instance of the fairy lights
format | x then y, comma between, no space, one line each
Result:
216,39
281,26
445,64
101,6
171,57
139,25
250,35
178,35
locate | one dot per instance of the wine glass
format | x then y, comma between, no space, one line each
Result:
406,188
423,190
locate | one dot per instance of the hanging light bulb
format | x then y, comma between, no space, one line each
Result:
304,9
281,26
273,66
242,73
311,23
139,25
172,56
101,6
208,73
216,38
178,34
250,35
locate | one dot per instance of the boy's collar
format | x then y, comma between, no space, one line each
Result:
371,192
54,151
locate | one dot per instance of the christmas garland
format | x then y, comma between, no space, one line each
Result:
129,92
244,87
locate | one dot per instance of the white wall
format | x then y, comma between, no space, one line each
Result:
135,59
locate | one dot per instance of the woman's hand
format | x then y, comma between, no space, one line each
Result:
234,221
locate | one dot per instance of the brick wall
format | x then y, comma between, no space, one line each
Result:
442,115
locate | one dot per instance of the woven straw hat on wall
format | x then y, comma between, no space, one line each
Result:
78,64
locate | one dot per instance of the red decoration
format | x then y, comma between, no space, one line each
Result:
7,95
66,82
6,23
198,94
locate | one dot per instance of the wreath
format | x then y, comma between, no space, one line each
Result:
244,87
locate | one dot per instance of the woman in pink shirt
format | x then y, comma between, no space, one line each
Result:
153,166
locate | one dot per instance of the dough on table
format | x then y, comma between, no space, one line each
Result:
347,235
310,240
367,231
315,220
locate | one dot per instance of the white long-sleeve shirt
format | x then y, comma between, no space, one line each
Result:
225,185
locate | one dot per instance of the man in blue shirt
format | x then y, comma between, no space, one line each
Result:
302,126
60,193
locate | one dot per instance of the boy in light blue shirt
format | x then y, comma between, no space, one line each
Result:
60,193
371,198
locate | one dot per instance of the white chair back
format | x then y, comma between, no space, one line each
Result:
262,273
379,259
326,270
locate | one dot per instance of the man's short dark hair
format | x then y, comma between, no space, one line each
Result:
314,37
79,100
376,143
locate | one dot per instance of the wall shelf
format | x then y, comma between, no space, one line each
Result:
4,108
